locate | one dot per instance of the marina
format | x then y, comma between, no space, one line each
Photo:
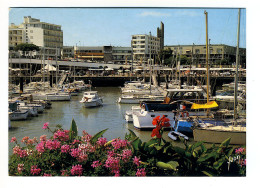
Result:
149,109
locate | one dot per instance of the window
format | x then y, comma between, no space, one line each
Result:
197,51
219,51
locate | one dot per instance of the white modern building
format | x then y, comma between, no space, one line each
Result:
143,45
49,37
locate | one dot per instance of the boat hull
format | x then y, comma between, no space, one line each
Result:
144,120
92,104
16,116
218,136
58,97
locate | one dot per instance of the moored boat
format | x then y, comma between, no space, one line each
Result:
91,99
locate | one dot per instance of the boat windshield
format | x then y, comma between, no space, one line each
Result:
161,107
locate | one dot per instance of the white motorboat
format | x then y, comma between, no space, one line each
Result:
18,115
129,113
169,108
58,96
136,99
91,99
39,96
24,105
144,118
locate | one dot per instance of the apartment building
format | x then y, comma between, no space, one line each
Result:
49,37
218,53
105,54
144,46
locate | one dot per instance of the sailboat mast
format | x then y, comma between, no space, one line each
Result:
207,56
237,62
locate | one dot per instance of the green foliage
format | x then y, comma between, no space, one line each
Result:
157,156
73,130
98,135
26,47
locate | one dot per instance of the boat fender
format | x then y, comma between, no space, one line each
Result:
183,114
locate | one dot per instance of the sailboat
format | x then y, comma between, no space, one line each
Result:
217,134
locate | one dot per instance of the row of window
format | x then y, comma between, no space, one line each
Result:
44,26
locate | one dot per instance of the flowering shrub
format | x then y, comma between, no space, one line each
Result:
67,154
159,122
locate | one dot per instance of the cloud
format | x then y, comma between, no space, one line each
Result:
155,14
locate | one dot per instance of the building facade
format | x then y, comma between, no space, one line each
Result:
49,37
144,46
107,54
219,54
160,35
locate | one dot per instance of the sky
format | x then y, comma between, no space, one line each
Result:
115,26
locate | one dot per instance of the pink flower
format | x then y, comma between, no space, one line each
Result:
86,137
23,153
111,153
30,142
64,172
65,148
52,145
20,168
35,140
76,170
239,150
96,164
140,172
43,138
75,152
16,150
61,135
136,160
126,155
101,141
45,125
25,139
47,174
118,143
82,157
35,170
76,142
113,163
40,147
86,148
14,139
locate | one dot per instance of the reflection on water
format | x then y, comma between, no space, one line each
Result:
93,120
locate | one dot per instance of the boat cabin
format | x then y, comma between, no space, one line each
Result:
192,95
90,94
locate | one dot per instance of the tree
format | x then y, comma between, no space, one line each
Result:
24,47
166,55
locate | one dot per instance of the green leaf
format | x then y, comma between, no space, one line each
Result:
230,151
158,147
136,144
194,146
179,150
73,130
225,143
206,156
133,135
219,163
207,173
98,135
172,165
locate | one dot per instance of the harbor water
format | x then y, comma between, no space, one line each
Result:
93,120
